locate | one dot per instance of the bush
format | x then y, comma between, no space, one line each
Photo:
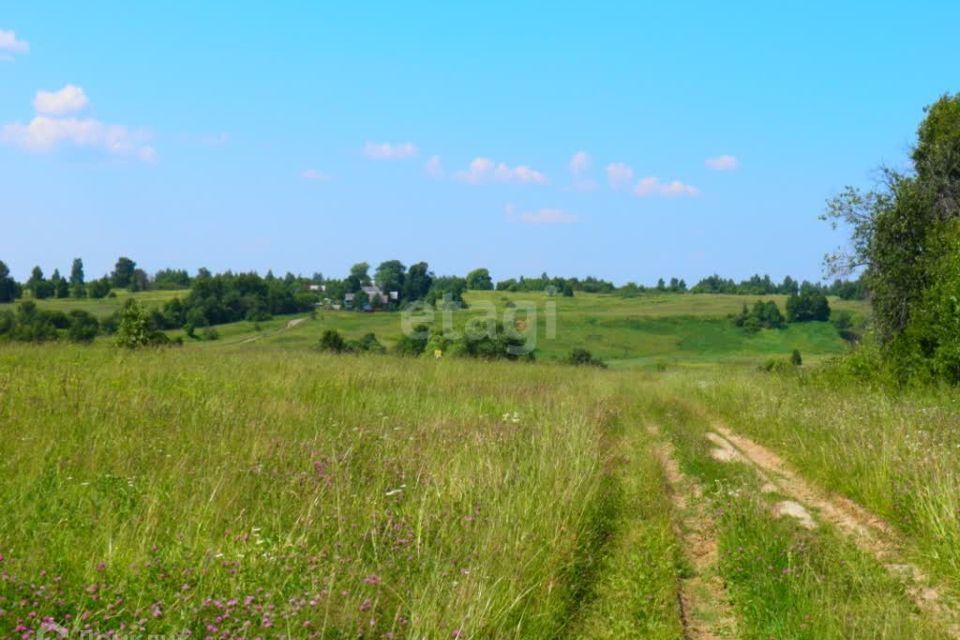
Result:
133,331
795,358
581,357
83,326
7,322
57,318
367,344
332,342
413,344
32,325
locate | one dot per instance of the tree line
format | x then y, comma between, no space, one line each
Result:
758,285
407,284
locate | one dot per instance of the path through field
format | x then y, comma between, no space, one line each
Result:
869,533
291,324
705,610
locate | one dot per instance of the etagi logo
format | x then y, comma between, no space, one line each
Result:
516,329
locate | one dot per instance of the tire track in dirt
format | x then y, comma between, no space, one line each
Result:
705,610
870,533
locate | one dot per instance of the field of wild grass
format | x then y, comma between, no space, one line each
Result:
275,493
234,490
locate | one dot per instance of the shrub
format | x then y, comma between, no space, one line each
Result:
32,325
132,329
367,344
413,344
582,357
7,322
332,342
83,326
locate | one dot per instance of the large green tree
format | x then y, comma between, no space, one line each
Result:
479,280
77,284
417,283
390,275
8,286
38,285
122,275
906,236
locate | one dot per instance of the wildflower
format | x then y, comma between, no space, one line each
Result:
372,579
366,604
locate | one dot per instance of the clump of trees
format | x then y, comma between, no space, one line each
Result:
810,305
498,344
762,315
763,285
32,324
906,238
556,285
125,275
332,342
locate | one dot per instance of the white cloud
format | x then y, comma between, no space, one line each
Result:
45,132
540,216
70,99
579,163
9,43
651,186
434,167
619,175
484,170
314,175
722,163
389,151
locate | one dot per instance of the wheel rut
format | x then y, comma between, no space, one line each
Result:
870,533
705,608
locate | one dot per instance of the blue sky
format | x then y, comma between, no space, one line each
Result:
623,140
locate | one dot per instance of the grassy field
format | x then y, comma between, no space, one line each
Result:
280,493
651,331
254,487
166,490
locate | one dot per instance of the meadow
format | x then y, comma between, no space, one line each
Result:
252,486
652,330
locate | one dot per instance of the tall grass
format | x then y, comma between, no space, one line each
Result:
259,493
